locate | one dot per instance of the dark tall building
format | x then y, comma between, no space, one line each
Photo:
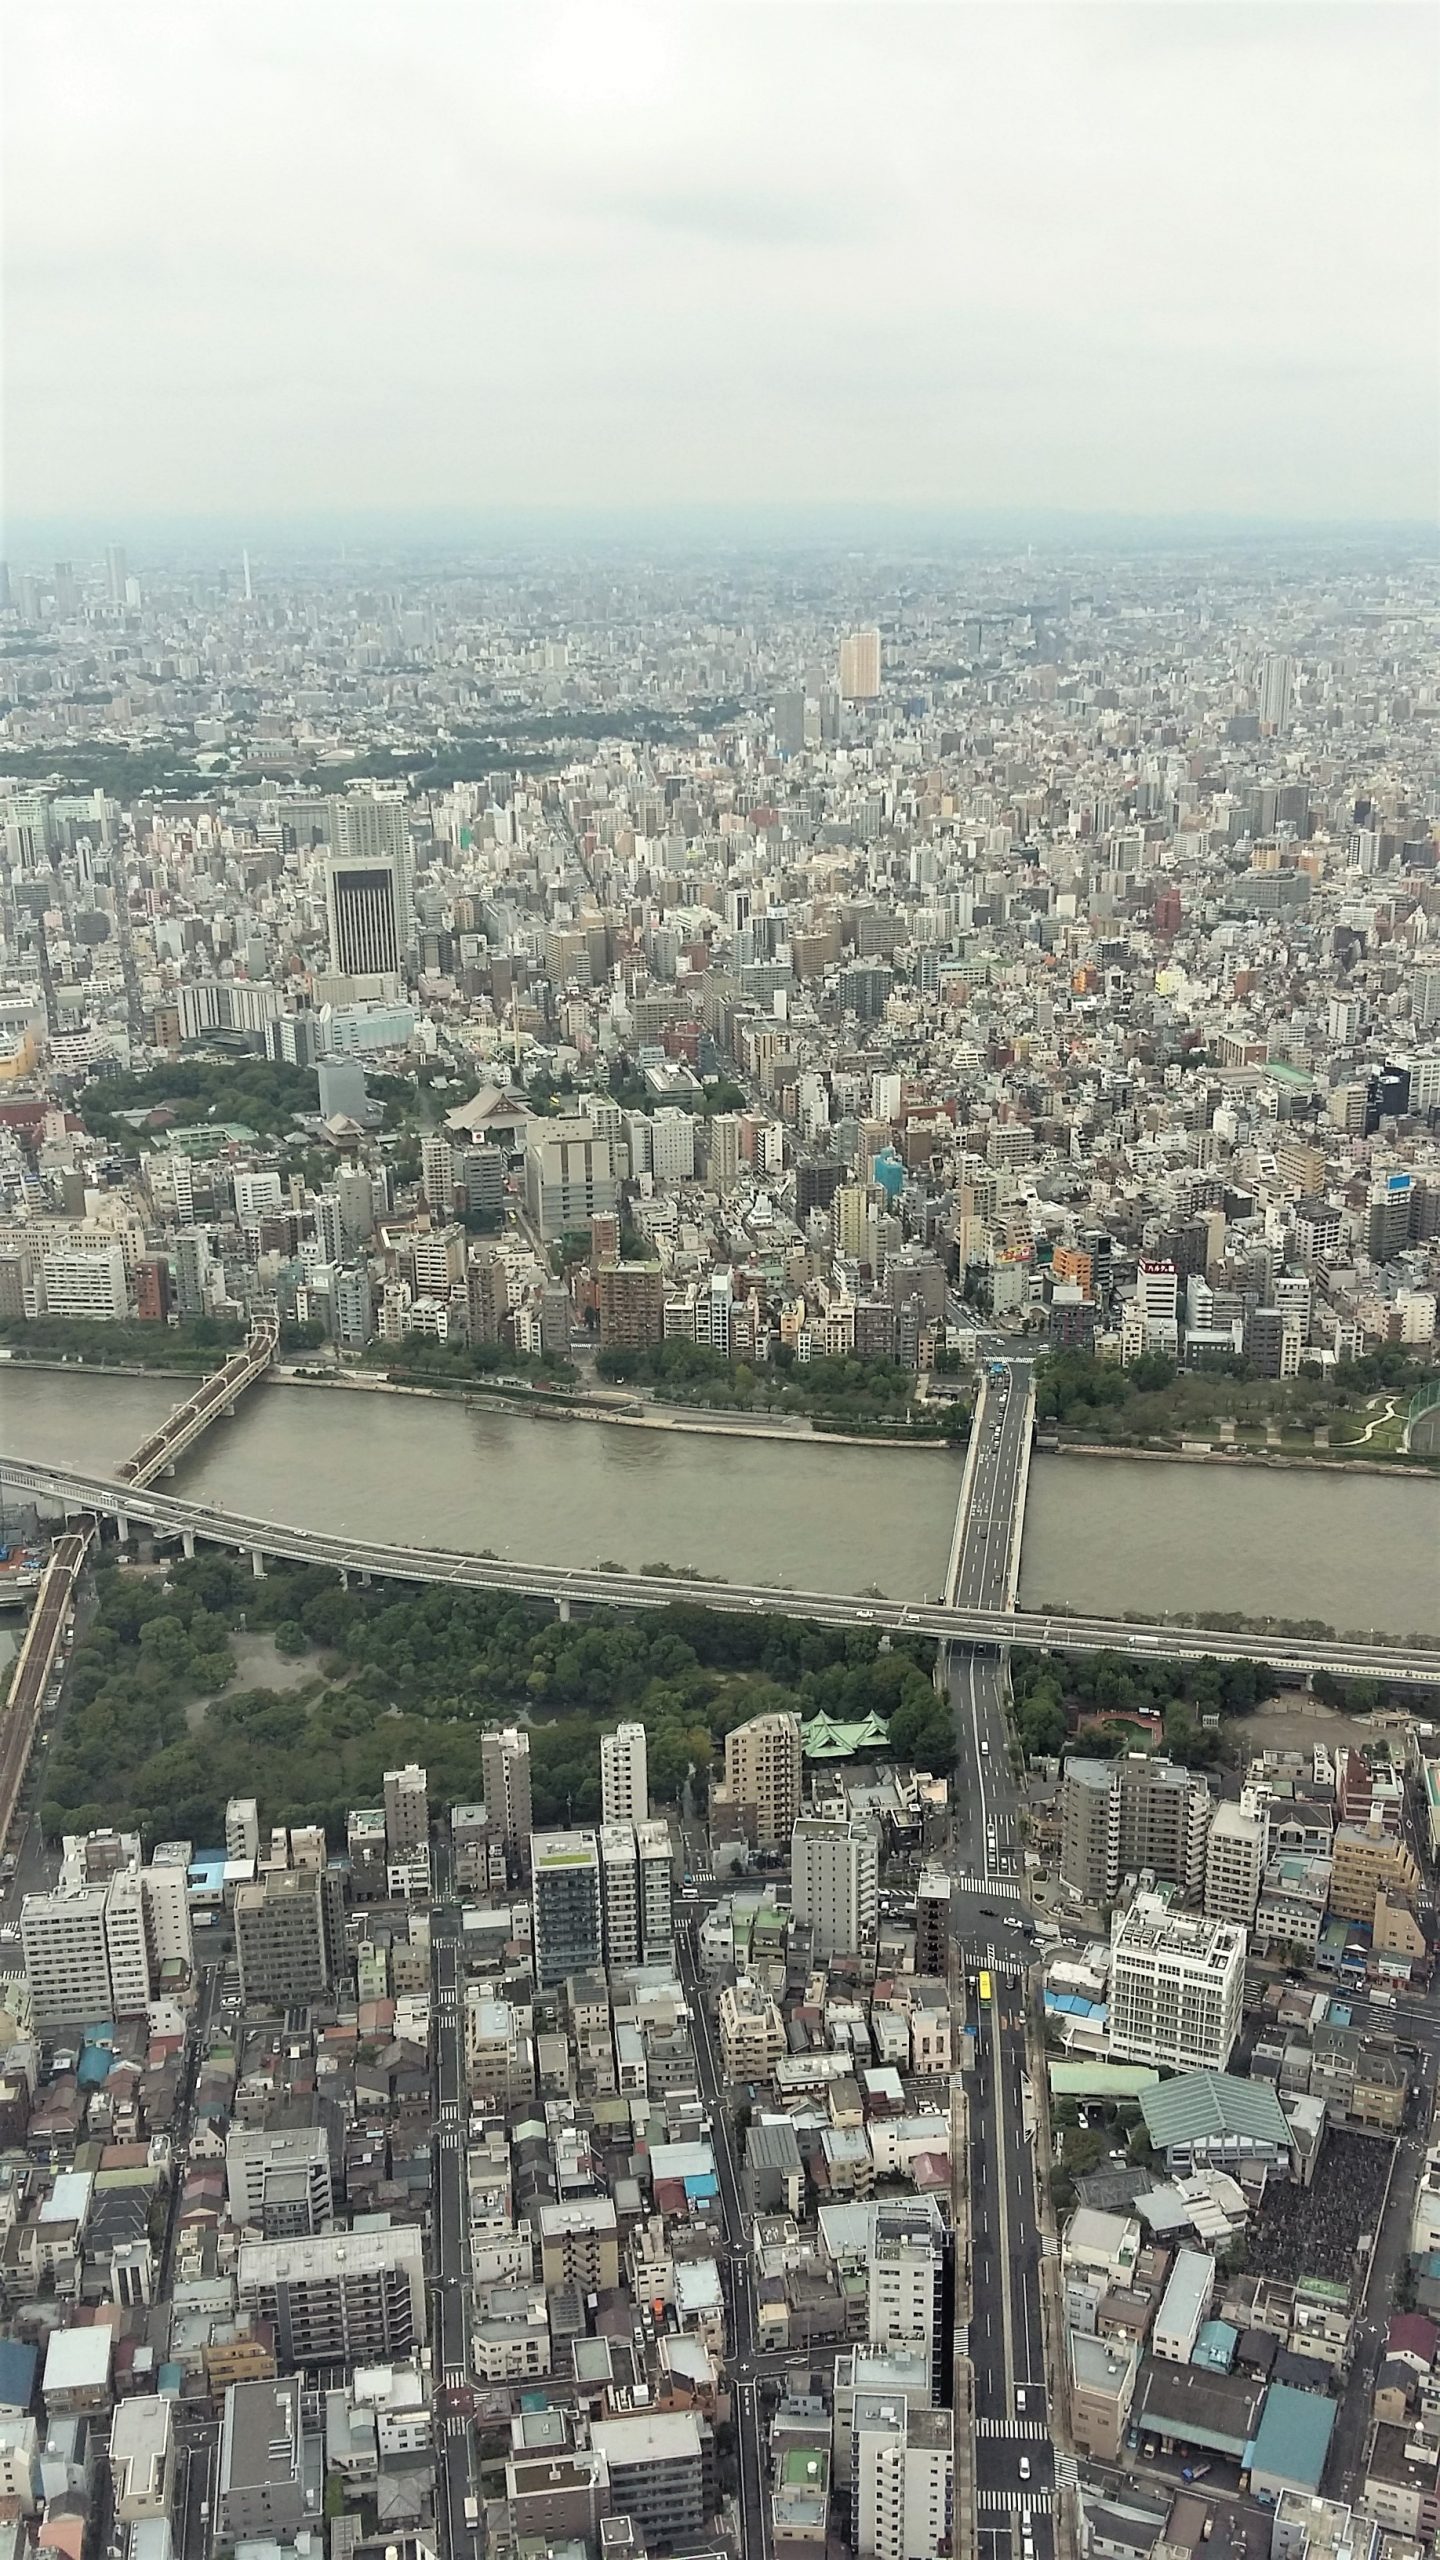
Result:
816,1186
631,1298
363,906
152,1289
932,1922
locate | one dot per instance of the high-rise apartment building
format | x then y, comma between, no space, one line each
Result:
362,905
505,1775
620,1882
657,1892
1277,686
407,1811
279,2183
762,1775
1127,1817
438,1172
1177,1980
907,2282
1234,1865
631,1301
637,1880
902,2479
566,1903
100,1945
624,1780
67,1961
860,666
660,2467
835,1882
341,2298
289,1928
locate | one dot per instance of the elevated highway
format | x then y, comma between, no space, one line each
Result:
971,1623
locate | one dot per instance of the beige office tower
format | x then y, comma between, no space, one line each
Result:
860,666
762,1773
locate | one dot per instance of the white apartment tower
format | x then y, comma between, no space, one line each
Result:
620,1889
835,1882
657,1892
67,1960
906,2282
1234,1865
902,2481
624,1775
95,1951
1177,1981
637,1892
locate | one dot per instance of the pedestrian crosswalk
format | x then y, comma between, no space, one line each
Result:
1004,1888
989,2500
998,1960
1027,2430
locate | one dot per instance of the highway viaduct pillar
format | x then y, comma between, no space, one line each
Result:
562,1612
187,1541
122,1528
257,1564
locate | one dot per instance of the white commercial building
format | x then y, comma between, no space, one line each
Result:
624,1775
142,2458
835,1882
258,1195
87,1284
1176,1984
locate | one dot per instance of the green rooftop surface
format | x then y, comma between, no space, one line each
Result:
1206,2106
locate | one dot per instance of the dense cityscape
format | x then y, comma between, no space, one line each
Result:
597,2060
719,1281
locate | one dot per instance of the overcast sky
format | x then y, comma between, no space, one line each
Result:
351,254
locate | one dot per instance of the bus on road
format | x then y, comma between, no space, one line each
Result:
984,1987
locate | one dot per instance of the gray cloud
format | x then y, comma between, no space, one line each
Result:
1144,256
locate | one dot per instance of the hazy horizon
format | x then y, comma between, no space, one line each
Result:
1132,264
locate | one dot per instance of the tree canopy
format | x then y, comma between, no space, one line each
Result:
405,1672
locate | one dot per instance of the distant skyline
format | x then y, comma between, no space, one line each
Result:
274,265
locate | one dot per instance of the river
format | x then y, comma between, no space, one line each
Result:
1106,1534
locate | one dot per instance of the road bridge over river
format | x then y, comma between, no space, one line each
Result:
565,1588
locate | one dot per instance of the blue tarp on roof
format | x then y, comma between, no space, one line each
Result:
18,2365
